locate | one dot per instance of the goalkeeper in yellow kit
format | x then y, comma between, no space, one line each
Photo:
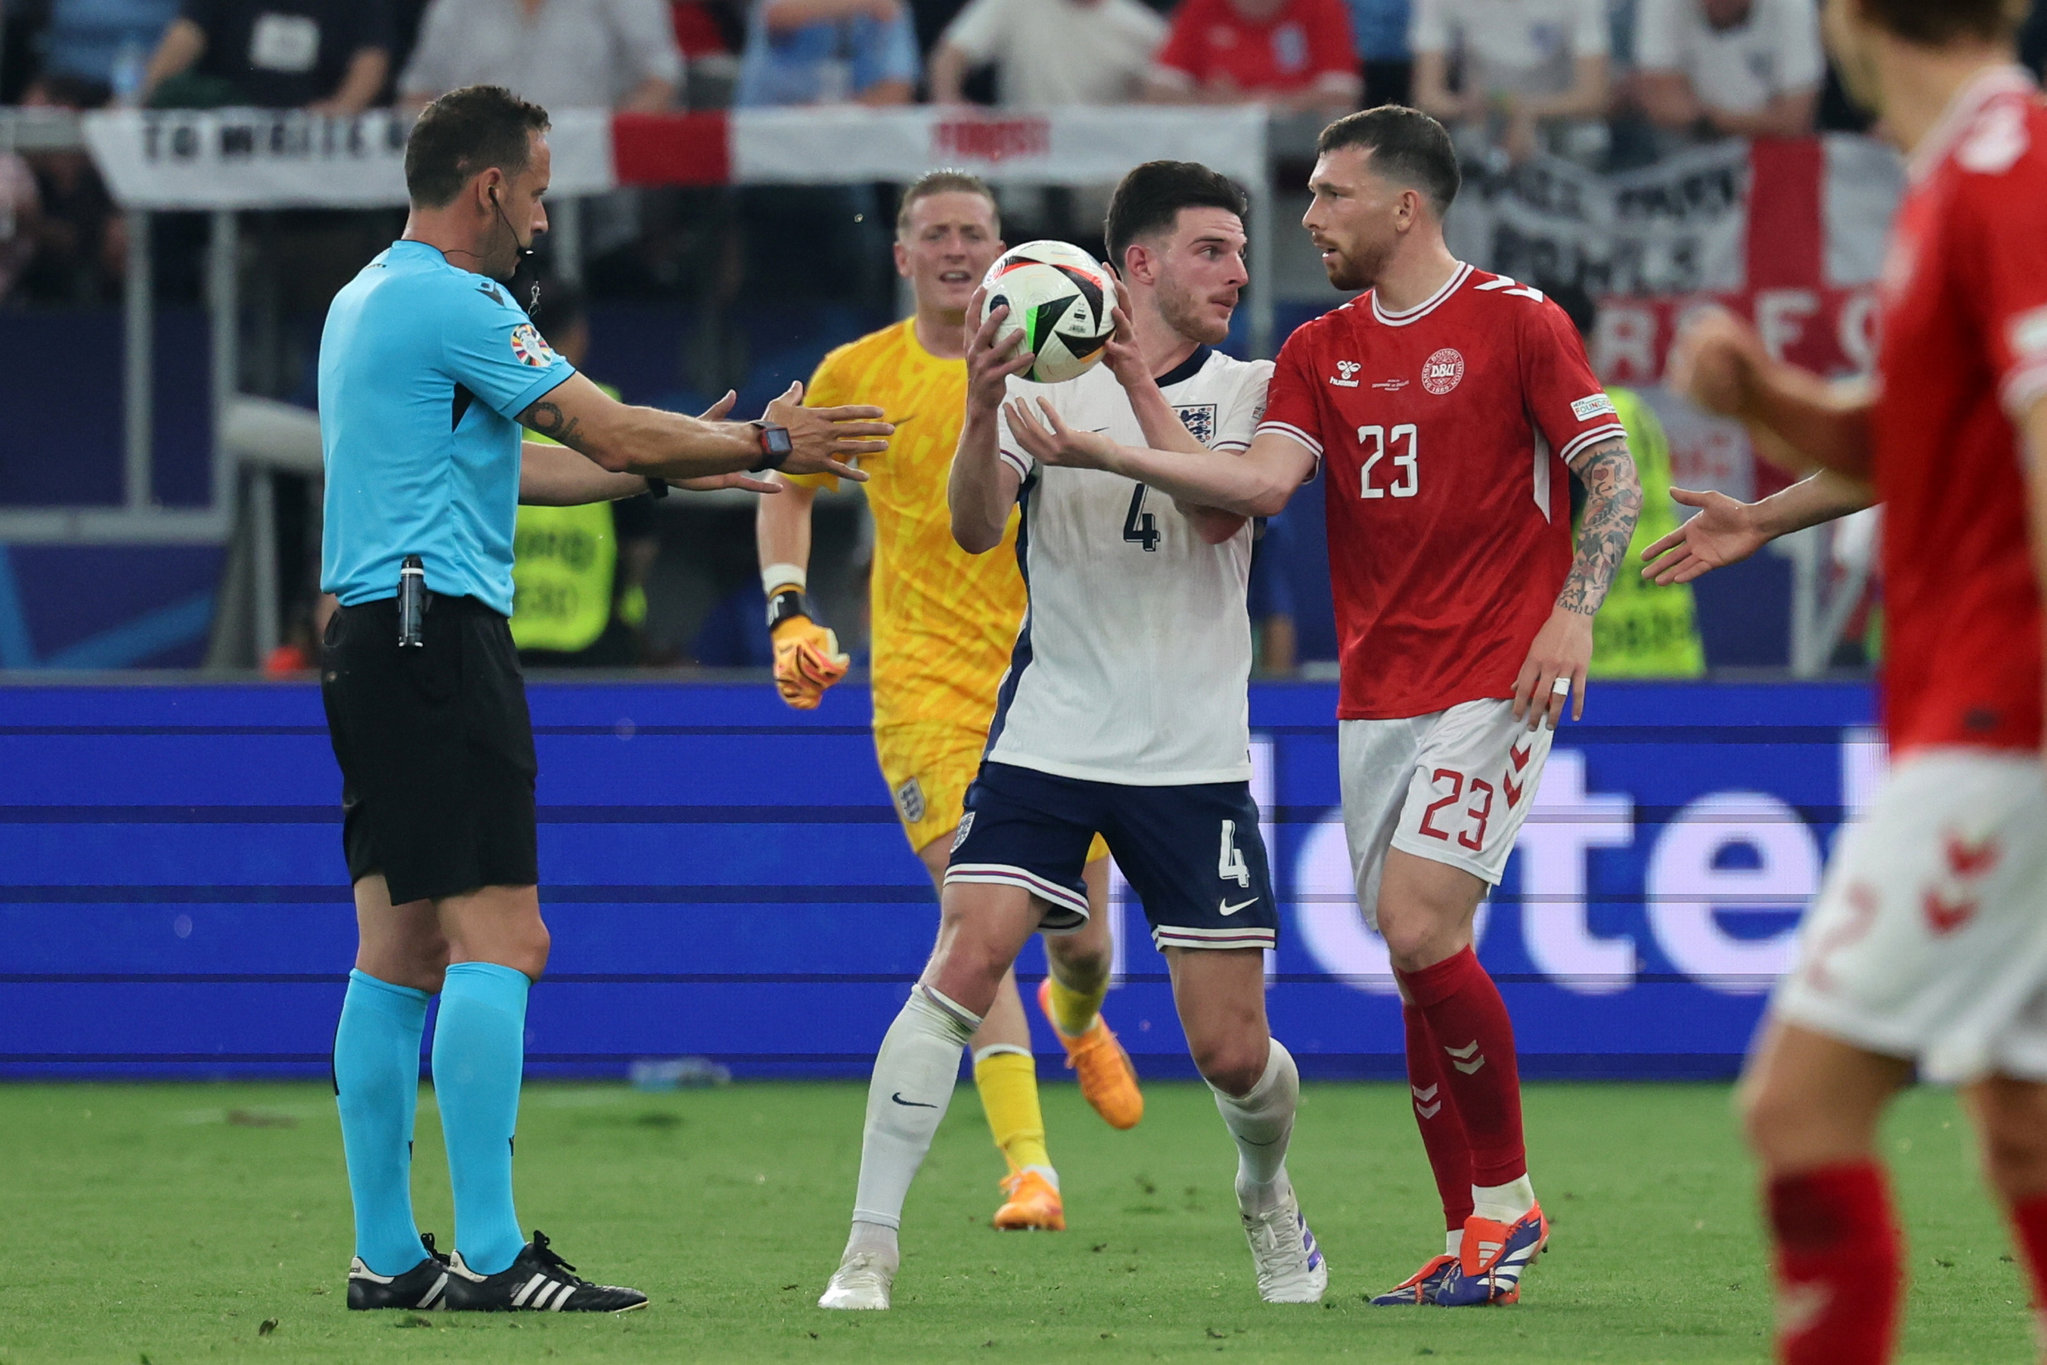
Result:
943,624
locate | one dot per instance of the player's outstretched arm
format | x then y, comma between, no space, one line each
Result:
982,486
1726,532
1562,650
1161,425
1797,419
667,445
1256,483
807,655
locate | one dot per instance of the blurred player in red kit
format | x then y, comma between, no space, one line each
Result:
1927,945
1450,408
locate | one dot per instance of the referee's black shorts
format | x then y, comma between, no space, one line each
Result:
436,749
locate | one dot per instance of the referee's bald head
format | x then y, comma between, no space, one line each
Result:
464,133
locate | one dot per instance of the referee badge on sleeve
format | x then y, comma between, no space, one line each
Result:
910,801
531,348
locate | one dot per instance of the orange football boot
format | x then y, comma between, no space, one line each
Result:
1108,1081
1033,1204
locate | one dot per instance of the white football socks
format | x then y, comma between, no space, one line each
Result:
1262,1123
1503,1203
913,1080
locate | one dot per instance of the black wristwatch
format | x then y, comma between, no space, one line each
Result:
776,447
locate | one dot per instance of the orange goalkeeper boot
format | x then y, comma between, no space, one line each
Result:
1108,1081
1033,1205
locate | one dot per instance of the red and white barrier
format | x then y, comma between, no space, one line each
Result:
257,159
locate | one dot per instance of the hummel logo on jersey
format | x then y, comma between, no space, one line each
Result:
1228,909
1391,385
1346,376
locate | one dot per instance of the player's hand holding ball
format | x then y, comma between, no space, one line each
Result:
1120,353
807,655
821,440
993,355
1554,671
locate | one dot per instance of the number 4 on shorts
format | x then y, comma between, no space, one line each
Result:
1230,864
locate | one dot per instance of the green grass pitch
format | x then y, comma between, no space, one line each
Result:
183,1223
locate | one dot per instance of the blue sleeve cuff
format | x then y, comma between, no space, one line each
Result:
550,379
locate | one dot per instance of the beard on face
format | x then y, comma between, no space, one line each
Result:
1358,264
1188,315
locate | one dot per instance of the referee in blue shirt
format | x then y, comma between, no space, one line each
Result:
428,368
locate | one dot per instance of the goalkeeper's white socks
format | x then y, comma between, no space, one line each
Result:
913,1080
1262,1122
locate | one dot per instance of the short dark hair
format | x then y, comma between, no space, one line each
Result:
946,181
1937,23
466,131
1150,198
1406,146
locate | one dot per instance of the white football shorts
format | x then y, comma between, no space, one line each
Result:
1453,786
1929,936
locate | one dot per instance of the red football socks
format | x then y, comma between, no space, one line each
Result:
1840,1276
1473,1053
1442,1131
2029,1222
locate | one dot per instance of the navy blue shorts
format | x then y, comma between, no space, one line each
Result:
1193,854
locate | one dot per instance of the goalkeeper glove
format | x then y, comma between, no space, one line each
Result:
807,656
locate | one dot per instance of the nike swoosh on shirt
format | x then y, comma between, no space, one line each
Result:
1229,909
910,1104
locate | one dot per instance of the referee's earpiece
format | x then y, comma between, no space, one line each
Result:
499,209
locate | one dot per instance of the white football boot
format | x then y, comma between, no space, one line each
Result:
1290,1265
862,1282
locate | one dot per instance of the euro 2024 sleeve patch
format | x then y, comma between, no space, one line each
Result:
531,348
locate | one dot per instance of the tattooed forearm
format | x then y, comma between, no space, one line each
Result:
547,419
1613,502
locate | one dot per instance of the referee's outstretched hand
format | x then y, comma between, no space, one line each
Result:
823,440
710,483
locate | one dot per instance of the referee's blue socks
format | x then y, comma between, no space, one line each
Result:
376,1087
479,1053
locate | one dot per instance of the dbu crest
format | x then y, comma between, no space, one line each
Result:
1200,420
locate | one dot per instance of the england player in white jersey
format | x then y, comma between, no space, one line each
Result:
1124,711
1125,589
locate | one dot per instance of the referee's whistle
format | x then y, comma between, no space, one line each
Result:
411,603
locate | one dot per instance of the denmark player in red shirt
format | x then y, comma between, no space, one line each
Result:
1449,407
1928,942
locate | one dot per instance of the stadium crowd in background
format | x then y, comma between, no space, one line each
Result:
1609,83
621,54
